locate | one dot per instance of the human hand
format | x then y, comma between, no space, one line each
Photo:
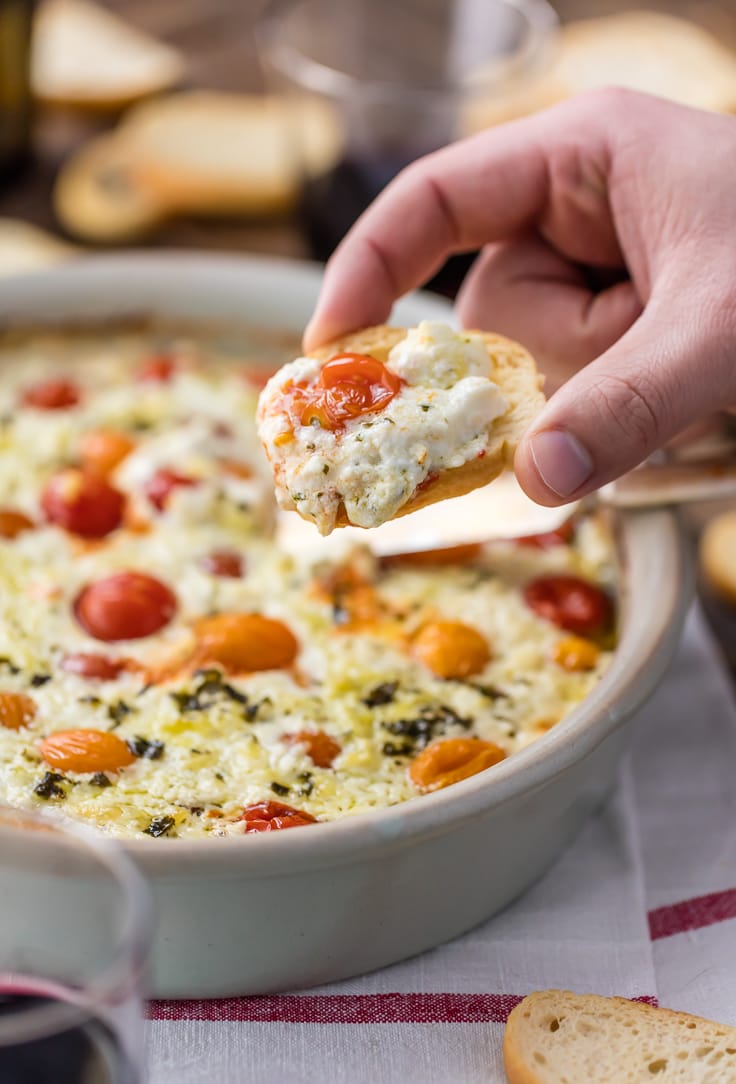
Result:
608,235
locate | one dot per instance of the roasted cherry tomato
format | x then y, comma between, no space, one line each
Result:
451,649
16,710
570,603
244,642
158,369
82,503
547,540
58,394
159,487
96,667
319,747
272,816
102,450
125,606
452,759
573,653
13,523
227,563
86,751
447,555
348,386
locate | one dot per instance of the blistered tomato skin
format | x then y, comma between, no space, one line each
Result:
102,450
13,523
82,504
349,386
273,816
59,394
125,606
451,760
94,667
571,603
16,710
319,747
244,642
85,751
159,488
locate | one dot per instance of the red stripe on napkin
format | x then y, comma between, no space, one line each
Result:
692,914
347,1008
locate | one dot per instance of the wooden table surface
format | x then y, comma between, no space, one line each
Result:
217,38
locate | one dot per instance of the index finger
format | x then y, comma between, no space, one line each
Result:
457,199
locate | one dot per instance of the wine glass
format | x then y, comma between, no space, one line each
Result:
74,937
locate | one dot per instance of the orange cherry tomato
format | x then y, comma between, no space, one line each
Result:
159,487
82,503
13,523
451,649
570,603
85,751
158,369
52,394
96,667
452,759
16,710
348,386
447,555
573,653
227,563
272,816
236,468
320,747
102,450
241,643
124,606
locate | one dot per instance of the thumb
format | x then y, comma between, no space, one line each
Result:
661,376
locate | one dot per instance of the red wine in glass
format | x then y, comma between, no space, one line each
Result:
82,1050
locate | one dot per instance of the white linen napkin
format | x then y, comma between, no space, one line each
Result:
638,906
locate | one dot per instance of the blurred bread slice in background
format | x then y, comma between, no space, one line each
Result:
85,57
641,50
554,1036
201,153
718,560
25,248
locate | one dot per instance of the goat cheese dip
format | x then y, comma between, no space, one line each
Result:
167,671
438,419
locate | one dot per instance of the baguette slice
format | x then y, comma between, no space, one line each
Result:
85,57
641,50
195,152
513,371
556,1037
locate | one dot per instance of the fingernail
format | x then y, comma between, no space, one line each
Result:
562,462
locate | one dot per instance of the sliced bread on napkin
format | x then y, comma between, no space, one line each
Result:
556,1037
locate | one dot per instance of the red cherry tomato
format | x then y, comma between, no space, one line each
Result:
348,386
158,369
96,667
59,394
13,523
82,503
158,488
570,603
227,563
272,816
124,606
560,536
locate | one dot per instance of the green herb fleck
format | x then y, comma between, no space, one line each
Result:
159,826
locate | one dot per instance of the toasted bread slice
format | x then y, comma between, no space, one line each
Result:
554,1036
195,153
641,50
99,198
25,247
513,371
718,555
85,57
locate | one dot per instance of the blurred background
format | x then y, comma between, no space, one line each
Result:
267,127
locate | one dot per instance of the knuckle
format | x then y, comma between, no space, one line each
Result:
633,409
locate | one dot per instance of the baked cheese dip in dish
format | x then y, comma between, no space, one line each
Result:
386,421
167,671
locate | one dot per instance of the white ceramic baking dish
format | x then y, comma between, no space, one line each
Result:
285,910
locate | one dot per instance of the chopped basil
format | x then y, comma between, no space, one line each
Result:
325,468
381,694
6,664
159,826
99,779
37,680
211,688
145,748
431,722
280,789
118,710
48,787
